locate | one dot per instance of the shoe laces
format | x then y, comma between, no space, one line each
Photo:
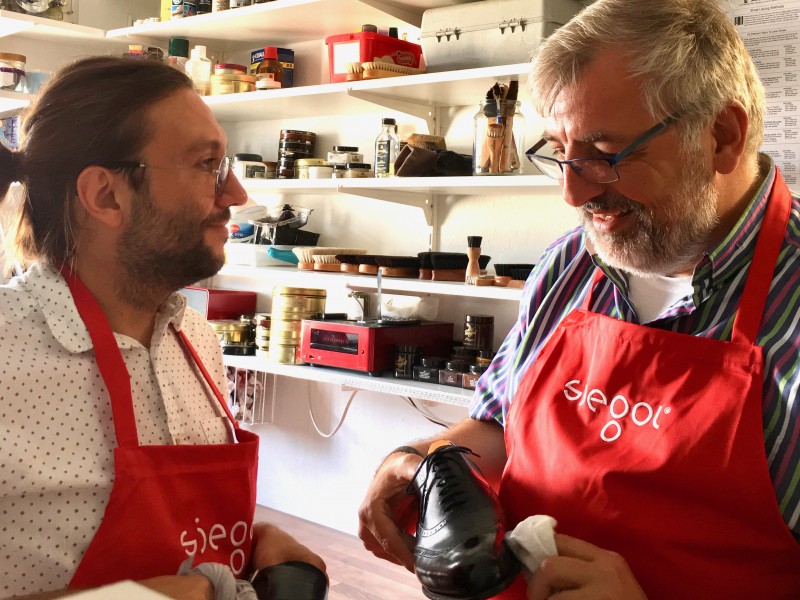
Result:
440,466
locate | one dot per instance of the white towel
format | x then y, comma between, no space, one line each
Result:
532,541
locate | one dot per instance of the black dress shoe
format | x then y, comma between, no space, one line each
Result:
460,552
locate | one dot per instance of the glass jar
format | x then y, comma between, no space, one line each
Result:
478,331
218,5
302,165
428,369
12,71
405,358
248,166
358,170
341,155
453,373
470,379
498,143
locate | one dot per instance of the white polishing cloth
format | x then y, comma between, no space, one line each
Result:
532,541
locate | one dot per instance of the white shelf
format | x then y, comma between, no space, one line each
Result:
453,186
350,379
13,102
291,276
50,30
414,94
280,22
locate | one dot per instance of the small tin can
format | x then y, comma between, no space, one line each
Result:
302,165
345,154
358,170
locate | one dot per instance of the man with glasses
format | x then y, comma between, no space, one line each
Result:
121,459
647,396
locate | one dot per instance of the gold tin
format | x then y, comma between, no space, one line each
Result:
231,332
294,291
287,335
301,166
284,353
232,84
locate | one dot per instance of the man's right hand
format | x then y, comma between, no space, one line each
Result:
387,509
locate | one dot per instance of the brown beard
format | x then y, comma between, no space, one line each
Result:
159,253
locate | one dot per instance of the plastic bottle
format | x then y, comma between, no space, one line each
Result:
178,53
386,148
198,68
269,73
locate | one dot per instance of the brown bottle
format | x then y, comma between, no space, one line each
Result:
270,68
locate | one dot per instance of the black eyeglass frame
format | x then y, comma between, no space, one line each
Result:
612,161
222,171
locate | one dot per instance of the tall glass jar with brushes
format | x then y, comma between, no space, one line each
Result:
498,144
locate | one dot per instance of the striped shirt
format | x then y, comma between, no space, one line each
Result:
562,277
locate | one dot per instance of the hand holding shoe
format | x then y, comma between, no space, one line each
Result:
588,572
387,508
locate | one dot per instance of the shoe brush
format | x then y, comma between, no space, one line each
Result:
354,71
398,266
379,70
473,252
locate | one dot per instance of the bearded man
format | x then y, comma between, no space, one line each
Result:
647,396
121,459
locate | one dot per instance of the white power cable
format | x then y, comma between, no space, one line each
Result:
341,419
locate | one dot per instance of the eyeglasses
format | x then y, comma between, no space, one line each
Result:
222,171
595,170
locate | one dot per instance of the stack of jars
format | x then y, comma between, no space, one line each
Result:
294,144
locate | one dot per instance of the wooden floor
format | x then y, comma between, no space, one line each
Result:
355,574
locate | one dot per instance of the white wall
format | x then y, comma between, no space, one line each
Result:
324,480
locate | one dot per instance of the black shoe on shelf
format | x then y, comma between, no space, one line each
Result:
460,552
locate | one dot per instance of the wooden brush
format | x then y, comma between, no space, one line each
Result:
425,265
473,252
305,254
348,262
379,70
398,266
367,264
354,71
326,262
449,266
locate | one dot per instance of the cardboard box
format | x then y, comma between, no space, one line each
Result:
490,32
285,56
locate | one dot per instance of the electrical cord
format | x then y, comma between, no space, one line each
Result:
341,419
424,413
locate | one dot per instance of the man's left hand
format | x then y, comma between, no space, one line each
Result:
582,571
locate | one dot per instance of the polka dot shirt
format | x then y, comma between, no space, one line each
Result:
56,427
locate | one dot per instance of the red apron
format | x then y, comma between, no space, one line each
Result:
650,443
167,502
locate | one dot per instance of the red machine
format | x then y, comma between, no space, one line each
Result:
370,346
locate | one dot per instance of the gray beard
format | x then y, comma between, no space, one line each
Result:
663,245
